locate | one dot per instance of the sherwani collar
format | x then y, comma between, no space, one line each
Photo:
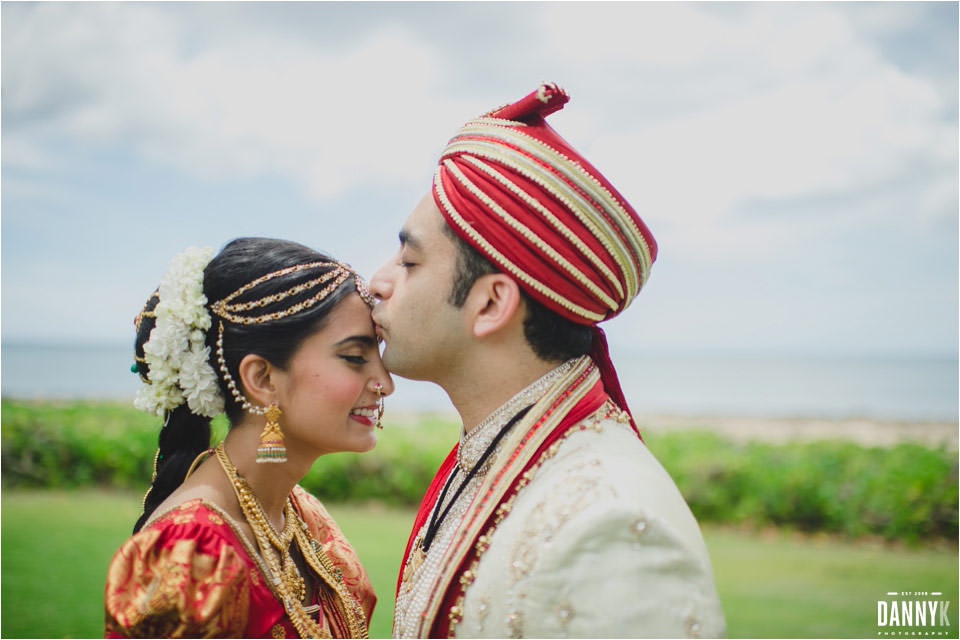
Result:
475,442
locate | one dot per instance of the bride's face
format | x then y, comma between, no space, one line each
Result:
328,390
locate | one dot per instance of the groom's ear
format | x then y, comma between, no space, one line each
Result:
494,301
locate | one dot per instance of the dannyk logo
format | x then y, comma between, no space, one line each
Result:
913,613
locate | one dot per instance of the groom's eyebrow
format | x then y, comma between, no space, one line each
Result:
408,239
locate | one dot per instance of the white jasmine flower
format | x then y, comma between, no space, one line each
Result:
177,357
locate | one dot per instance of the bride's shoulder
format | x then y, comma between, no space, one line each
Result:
193,519
202,494
195,510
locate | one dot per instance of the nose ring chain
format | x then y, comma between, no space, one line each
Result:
378,388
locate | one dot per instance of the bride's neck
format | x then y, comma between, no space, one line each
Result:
271,483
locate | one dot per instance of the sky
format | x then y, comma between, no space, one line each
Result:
797,162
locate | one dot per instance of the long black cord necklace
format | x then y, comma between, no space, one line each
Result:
434,525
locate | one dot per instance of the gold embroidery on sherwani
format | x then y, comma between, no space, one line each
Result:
514,619
422,570
512,455
542,523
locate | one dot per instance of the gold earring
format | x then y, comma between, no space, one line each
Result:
378,388
271,447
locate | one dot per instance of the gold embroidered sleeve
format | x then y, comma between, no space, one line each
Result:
185,583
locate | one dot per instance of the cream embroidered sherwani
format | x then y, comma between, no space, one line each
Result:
598,543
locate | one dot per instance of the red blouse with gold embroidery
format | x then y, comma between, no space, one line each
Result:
191,573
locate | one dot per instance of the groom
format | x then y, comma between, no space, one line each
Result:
550,518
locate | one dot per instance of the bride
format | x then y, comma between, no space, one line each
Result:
278,337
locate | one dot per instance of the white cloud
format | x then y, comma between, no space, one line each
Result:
249,106
778,102
27,152
758,101
749,135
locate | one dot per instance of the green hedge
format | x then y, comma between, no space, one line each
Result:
904,492
78,444
74,444
907,491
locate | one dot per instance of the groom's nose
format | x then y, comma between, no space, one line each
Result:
381,284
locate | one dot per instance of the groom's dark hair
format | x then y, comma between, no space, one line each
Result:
551,336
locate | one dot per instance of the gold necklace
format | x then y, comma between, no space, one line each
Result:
275,549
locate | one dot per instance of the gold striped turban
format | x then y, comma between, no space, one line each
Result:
511,187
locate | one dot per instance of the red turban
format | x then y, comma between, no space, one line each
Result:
516,191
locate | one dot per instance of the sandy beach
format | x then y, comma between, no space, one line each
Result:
865,431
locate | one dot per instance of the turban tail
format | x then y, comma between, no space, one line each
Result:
512,188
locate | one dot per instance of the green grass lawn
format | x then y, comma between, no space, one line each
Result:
781,585
56,545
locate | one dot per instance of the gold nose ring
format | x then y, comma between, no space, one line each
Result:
378,388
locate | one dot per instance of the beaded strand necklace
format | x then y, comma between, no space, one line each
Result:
285,577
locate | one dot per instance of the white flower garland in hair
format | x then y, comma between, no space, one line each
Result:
176,355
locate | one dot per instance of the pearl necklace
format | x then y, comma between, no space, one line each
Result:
274,547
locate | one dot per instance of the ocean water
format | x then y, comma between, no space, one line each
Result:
893,388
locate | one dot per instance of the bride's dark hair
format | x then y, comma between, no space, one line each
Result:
184,434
